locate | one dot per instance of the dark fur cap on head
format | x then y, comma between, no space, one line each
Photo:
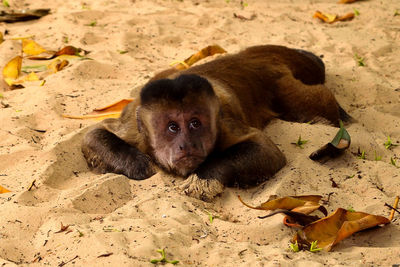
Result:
175,90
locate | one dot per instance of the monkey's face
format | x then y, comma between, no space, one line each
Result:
182,138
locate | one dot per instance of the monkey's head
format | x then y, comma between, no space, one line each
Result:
178,118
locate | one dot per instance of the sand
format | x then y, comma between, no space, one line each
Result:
114,221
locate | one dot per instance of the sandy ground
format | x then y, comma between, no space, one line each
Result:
130,220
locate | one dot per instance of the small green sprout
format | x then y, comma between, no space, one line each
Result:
356,12
396,13
294,247
1,95
350,209
211,217
389,144
393,162
80,233
65,39
350,176
300,142
361,155
122,51
5,3
244,4
163,259
360,60
92,24
314,247
377,158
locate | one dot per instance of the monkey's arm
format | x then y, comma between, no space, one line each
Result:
246,163
106,152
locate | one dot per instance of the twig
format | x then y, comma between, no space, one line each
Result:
63,263
394,208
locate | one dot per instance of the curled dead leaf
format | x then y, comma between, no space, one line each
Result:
341,224
3,190
110,111
331,18
32,48
22,15
336,147
12,70
203,53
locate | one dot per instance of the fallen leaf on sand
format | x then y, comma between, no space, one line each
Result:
331,18
336,147
3,190
203,53
22,15
346,1
12,70
110,111
336,227
296,208
63,228
32,48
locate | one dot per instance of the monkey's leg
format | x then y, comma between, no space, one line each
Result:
245,164
296,101
105,152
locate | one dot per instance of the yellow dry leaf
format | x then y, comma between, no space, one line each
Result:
12,70
3,190
31,77
32,48
203,53
1,37
57,65
110,111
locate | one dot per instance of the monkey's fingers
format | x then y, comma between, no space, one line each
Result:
203,189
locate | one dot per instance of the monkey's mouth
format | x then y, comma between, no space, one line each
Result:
188,163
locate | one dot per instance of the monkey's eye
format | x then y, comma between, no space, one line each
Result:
194,124
173,127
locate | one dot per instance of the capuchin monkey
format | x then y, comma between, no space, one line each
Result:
206,123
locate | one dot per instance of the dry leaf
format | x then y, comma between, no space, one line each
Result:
12,70
3,190
22,15
32,48
67,50
203,53
307,203
336,227
1,37
331,18
110,111
346,1
57,65
336,147
63,228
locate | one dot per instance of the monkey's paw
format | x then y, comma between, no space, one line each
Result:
204,189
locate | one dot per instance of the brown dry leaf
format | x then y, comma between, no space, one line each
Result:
12,70
346,1
331,18
57,65
1,37
336,227
295,203
63,228
32,48
203,53
22,15
3,190
111,111
67,50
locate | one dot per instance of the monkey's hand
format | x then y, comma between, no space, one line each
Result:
204,189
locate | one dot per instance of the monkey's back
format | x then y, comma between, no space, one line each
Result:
251,75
